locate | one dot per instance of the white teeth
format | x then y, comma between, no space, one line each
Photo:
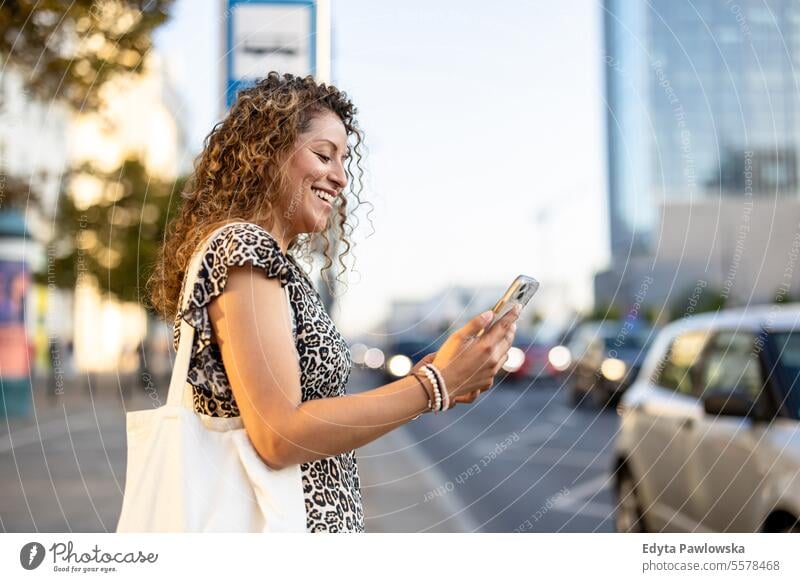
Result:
324,195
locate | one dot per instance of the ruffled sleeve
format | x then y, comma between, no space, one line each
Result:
236,245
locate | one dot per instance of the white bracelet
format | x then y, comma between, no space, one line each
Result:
442,386
437,404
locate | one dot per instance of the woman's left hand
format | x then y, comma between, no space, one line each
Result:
464,399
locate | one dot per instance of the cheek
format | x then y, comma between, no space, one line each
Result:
312,167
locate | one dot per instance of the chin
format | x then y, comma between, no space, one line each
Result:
314,225
319,223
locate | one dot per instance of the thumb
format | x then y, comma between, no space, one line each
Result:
475,324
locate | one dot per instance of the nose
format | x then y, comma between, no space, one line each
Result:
338,176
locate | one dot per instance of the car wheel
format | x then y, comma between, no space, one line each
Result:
792,528
628,515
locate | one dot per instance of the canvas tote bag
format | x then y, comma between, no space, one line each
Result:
189,472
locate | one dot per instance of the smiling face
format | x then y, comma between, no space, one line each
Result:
316,173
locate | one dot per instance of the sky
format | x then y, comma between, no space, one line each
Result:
484,130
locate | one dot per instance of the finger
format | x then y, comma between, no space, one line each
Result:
474,325
468,398
501,327
502,363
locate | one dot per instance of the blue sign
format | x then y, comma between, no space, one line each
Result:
266,35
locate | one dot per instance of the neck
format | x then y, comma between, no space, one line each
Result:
280,231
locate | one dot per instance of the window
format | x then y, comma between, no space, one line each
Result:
732,365
676,371
787,345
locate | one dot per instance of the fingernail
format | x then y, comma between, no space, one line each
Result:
486,315
513,327
517,308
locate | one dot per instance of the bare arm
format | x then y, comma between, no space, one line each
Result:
250,323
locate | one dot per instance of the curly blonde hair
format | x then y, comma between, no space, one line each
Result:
239,176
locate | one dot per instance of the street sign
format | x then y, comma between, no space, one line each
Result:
266,35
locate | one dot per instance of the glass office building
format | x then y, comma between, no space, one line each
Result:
702,100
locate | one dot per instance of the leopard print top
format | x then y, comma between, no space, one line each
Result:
331,486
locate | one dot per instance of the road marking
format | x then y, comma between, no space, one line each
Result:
577,500
564,458
590,509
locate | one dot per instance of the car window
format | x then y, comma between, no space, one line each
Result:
580,342
629,341
675,371
787,344
731,365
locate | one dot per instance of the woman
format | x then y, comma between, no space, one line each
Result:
280,162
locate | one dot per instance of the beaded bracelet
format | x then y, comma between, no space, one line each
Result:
435,383
437,402
442,386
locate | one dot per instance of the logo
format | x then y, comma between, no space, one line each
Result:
31,555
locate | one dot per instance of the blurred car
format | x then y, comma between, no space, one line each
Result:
710,432
528,359
604,358
401,354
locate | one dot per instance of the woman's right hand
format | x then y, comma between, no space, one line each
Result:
469,364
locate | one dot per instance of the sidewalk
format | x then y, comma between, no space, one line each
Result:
62,469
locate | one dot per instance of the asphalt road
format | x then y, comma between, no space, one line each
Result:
518,459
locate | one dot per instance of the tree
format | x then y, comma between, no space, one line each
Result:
782,296
698,300
604,312
67,49
116,239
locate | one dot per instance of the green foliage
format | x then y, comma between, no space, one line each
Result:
781,296
654,315
697,299
604,312
114,241
67,50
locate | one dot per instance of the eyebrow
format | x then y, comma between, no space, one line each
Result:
335,147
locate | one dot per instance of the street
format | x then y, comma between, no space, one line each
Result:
516,460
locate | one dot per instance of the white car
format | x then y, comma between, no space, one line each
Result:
709,436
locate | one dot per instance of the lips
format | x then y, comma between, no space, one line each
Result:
324,195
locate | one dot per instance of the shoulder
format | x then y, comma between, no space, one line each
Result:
243,243
234,245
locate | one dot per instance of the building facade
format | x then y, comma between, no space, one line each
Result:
702,112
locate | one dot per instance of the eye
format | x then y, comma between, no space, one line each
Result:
324,158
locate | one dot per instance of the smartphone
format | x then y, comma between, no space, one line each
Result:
520,291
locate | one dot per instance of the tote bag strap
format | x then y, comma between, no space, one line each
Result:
180,370
178,387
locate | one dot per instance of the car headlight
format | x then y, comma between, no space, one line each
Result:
560,358
516,357
613,369
399,365
373,358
